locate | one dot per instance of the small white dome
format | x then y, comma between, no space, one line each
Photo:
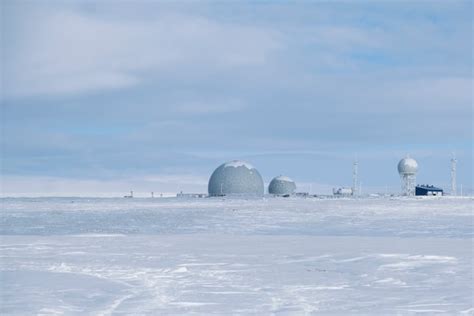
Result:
284,178
281,185
407,166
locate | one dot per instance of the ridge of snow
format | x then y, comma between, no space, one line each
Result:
283,178
238,163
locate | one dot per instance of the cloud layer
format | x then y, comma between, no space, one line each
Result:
97,92
61,51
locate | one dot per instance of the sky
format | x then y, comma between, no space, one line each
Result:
102,97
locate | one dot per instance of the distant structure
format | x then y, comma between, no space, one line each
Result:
428,190
191,195
343,192
236,178
281,185
355,175
355,189
129,196
302,194
152,194
407,168
453,175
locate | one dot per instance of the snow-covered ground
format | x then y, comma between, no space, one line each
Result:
221,256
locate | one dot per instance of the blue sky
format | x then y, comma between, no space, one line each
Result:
102,97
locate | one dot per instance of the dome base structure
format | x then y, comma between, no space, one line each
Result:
408,184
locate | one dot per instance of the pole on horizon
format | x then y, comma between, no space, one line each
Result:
355,174
453,175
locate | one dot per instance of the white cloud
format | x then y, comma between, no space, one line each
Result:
446,93
65,51
345,37
65,83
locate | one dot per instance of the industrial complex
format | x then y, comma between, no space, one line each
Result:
239,178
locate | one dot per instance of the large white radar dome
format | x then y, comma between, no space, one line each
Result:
236,178
407,166
281,185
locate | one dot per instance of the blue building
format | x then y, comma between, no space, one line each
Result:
429,190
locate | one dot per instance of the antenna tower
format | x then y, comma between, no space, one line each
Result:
355,174
453,175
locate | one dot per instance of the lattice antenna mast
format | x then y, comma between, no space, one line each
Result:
453,175
355,175
408,184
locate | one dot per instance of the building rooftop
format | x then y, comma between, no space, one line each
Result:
428,187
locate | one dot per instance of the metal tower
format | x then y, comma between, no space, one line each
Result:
453,175
355,173
408,184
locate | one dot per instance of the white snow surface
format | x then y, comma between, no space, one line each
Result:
284,178
238,163
271,256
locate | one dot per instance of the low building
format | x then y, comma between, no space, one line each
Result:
342,192
302,194
191,195
428,190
